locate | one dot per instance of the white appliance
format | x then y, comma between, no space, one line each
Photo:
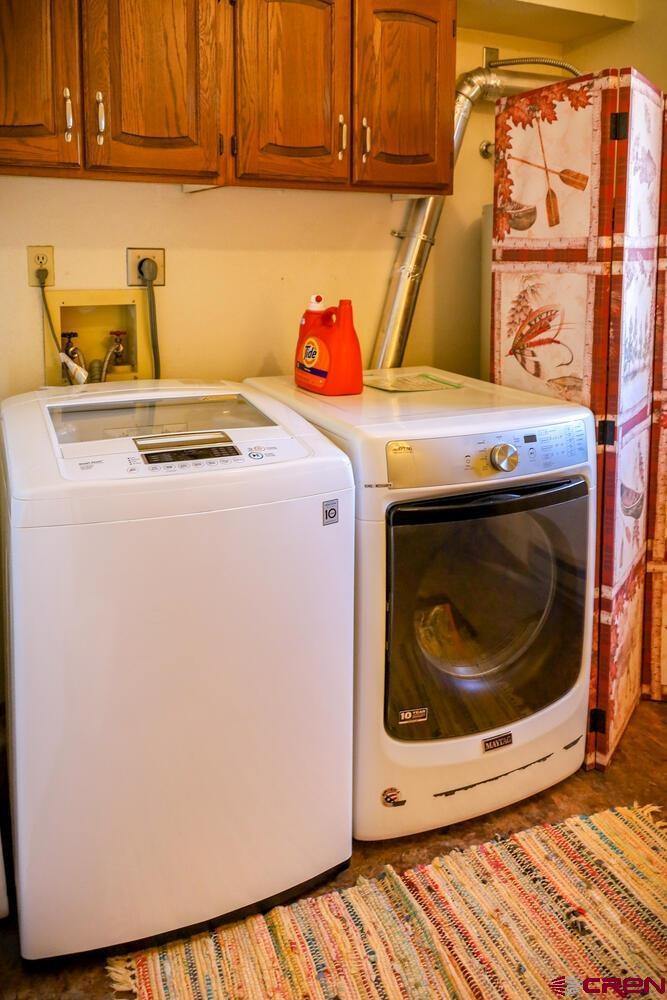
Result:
180,559
474,589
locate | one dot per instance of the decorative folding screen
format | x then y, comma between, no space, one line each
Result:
577,180
655,606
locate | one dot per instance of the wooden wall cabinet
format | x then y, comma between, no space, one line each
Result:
355,94
40,101
150,85
293,89
319,101
403,96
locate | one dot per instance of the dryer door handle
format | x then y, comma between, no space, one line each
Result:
469,506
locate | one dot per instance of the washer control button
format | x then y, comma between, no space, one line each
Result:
504,457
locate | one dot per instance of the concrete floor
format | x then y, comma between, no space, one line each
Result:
637,774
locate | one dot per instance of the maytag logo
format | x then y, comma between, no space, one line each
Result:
496,742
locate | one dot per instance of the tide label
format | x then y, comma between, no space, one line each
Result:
313,364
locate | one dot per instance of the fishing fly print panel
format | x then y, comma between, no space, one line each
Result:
654,678
576,198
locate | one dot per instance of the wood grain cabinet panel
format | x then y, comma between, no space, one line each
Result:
40,101
150,86
293,89
404,92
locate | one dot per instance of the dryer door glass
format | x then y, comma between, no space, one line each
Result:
486,599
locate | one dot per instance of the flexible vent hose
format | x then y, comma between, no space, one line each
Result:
535,61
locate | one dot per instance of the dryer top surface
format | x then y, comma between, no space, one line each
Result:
456,405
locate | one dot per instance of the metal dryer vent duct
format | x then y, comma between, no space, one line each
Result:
486,83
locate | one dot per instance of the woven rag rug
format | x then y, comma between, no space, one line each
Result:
531,915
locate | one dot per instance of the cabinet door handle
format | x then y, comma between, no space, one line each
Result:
366,149
343,136
101,118
69,117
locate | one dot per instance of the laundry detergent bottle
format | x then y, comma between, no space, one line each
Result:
328,354
310,319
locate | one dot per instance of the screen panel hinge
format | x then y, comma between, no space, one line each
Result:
606,432
619,125
597,722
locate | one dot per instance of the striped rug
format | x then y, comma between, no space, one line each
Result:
532,915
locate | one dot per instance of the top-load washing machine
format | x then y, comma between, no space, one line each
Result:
179,570
474,592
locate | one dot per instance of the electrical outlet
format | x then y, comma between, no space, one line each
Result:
136,254
41,257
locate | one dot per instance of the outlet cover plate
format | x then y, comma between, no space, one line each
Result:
41,257
135,254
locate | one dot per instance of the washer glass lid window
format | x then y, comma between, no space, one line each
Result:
163,415
486,598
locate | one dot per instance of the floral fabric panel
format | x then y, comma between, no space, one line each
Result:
576,207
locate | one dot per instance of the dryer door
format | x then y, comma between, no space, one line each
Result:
485,607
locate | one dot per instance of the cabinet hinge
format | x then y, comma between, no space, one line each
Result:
597,722
221,144
233,146
606,431
619,125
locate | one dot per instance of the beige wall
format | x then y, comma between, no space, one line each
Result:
242,263
641,44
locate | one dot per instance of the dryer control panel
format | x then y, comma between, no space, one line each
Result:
470,458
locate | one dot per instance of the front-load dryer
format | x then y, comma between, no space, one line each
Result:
474,592
180,565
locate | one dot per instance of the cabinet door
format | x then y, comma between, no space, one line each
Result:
404,92
293,89
150,85
39,83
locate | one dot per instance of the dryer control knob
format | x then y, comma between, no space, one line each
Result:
504,457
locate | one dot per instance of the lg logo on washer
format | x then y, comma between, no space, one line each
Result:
330,512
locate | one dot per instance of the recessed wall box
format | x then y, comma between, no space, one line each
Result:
93,315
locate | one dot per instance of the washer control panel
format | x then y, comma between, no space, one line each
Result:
184,461
472,457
